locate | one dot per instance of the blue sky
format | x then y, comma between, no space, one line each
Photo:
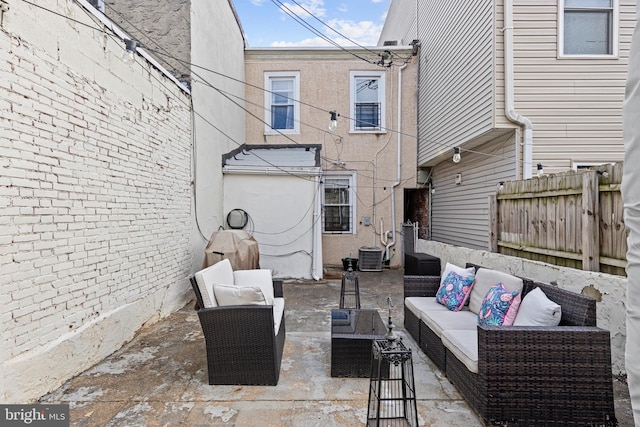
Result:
266,24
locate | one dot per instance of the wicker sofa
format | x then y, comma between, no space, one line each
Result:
524,375
244,341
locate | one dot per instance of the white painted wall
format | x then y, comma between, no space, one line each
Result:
217,50
609,290
281,208
96,218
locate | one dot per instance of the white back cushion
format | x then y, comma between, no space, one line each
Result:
464,272
219,273
259,277
238,295
538,310
485,279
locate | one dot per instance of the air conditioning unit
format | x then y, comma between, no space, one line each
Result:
370,259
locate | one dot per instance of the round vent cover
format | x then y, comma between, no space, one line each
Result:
237,219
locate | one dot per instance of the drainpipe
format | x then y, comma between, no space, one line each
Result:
527,137
316,234
399,179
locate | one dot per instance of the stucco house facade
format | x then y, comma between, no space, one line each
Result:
368,160
511,85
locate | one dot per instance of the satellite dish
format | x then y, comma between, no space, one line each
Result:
237,219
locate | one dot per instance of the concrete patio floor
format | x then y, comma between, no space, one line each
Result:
160,377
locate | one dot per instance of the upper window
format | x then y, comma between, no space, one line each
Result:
282,109
338,197
588,28
367,101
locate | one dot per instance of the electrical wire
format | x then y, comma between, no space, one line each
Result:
232,139
315,31
440,144
333,29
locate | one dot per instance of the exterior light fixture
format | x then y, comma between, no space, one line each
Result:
130,47
501,186
456,155
540,170
333,124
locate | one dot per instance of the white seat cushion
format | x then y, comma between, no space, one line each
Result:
258,277
485,279
417,305
278,313
439,321
219,273
464,345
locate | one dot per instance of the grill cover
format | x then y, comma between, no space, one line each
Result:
238,246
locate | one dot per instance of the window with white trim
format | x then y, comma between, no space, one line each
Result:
588,28
338,204
367,101
282,109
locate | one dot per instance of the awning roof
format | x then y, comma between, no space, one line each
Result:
280,156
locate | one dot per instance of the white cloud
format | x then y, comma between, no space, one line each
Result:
312,42
343,8
313,7
257,2
365,33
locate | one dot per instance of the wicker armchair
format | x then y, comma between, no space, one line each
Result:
242,345
530,376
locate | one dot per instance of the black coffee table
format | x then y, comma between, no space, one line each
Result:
352,335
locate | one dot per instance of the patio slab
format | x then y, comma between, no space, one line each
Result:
160,377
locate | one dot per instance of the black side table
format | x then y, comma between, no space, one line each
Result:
352,335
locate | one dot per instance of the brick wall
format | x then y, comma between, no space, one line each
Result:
95,197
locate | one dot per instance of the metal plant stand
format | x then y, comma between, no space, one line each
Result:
392,397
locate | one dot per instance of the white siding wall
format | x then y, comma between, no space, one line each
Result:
456,99
575,105
459,213
400,23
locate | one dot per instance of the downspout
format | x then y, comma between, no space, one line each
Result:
399,179
509,105
316,234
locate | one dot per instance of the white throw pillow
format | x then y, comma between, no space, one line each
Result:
219,273
464,272
538,310
238,295
259,277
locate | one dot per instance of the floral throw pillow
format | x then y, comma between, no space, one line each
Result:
499,307
454,291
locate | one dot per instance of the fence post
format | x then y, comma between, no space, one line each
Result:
493,223
590,222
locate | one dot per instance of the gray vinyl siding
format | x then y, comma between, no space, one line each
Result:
456,99
459,213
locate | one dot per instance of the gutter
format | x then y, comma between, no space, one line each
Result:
509,108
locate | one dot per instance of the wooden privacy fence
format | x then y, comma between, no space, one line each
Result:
573,219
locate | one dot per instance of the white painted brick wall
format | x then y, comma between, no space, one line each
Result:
95,196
